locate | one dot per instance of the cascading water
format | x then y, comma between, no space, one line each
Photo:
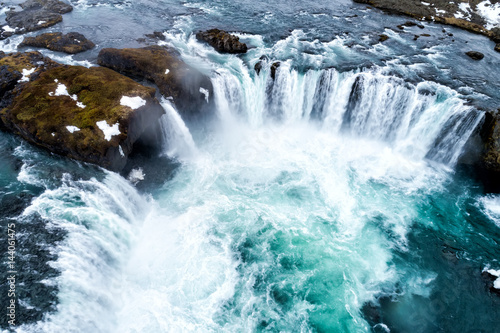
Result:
313,200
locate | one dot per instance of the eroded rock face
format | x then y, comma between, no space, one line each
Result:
491,138
89,114
36,15
222,41
190,91
71,43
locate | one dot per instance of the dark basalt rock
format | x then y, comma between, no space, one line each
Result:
222,41
33,110
497,47
274,68
71,43
383,38
36,15
475,55
190,90
490,280
491,137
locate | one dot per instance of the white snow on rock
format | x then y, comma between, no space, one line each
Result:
465,11
132,102
80,105
41,22
136,175
167,71
496,273
109,131
205,92
426,3
491,13
26,74
62,90
72,129
8,29
121,151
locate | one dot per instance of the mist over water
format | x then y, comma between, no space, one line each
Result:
327,199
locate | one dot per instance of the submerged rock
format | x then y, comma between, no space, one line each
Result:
190,90
71,43
89,114
475,55
383,38
36,15
222,41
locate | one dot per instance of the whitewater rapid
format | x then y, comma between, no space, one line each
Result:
289,212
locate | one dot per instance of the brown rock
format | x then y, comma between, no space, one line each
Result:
71,43
222,41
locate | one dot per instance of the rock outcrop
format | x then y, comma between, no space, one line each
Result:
190,90
491,138
222,41
441,11
475,55
89,114
36,15
71,43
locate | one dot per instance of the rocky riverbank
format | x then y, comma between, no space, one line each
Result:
477,16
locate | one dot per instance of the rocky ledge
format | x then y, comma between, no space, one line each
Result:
469,15
71,43
222,41
188,89
89,114
36,15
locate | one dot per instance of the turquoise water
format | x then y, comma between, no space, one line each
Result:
332,199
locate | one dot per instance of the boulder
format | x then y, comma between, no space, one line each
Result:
89,114
36,15
274,68
383,38
497,47
475,55
71,43
222,41
190,90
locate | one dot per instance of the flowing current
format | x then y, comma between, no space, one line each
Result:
317,200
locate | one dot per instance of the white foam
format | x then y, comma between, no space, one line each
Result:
26,74
72,129
132,102
491,207
136,175
109,131
205,92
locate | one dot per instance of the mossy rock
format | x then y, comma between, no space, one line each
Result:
71,43
61,108
222,41
190,90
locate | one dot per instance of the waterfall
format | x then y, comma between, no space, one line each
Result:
424,120
177,140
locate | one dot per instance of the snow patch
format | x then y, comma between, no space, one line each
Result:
426,3
491,13
71,129
8,29
167,71
136,175
132,102
496,273
205,92
109,131
80,105
41,22
121,151
26,74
